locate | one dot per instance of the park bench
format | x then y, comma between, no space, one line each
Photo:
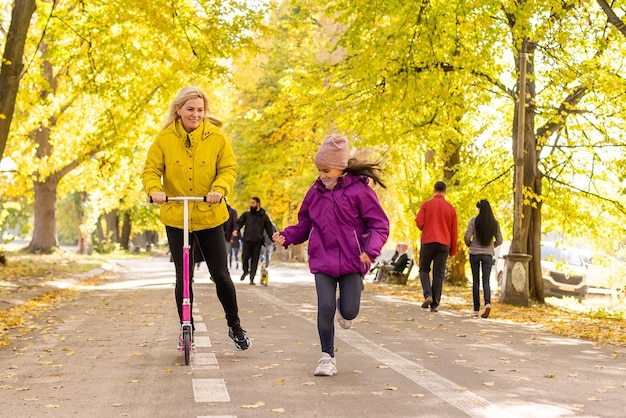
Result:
398,277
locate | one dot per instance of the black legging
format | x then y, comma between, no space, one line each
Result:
250,257
213,247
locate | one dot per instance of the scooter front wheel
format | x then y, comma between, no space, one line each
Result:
187,342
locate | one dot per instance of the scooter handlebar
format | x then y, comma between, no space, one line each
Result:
187,198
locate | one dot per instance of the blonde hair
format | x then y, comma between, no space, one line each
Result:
186,93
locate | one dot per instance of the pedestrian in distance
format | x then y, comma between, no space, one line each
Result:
437,220
235,245
481,236
229,227
200,162
268,247
254,221
346,229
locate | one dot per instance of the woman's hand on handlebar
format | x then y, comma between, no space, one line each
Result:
158,197
213,197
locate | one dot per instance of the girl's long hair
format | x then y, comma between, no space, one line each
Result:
366,168
181,98
485,225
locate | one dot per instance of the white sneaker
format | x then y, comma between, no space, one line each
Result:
343,323
474,314
326,366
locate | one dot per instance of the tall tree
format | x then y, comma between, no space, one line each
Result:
12,67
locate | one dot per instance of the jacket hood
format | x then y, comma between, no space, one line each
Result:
260,212
345,180
209,125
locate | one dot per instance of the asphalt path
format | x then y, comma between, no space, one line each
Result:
111,351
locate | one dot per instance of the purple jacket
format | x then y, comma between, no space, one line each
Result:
340,224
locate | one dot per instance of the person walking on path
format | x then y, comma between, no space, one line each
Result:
254,222
235,245
481,236
229,227
200,162
346,227
437,220
268,246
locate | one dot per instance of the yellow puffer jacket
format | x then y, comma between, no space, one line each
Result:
208,166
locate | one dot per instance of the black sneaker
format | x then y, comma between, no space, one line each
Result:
238,335
243,276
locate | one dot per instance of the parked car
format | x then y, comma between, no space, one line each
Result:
564,270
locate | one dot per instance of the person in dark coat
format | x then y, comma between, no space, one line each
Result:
254,221
229,227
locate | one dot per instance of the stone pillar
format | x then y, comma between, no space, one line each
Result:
515,281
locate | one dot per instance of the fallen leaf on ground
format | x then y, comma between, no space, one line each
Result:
256,405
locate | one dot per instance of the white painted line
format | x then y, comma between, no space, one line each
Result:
201,327
197,318
210,390
472,404
204,361
202,341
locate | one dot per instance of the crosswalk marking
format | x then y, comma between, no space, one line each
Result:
204,361
202,341
210,390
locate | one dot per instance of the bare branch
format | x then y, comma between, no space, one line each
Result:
567,107
612,17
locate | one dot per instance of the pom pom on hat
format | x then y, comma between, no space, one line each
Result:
334,152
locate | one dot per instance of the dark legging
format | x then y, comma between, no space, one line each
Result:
250,257
349,303
480,262
437,255
211,242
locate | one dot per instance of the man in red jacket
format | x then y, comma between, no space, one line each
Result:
436,219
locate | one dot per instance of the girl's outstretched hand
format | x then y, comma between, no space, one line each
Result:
278,238
365,258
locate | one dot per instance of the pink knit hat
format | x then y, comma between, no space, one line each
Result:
334,152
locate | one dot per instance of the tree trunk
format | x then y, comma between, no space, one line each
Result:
126,226
456,269
112,225
531,210
44,232
10,72
456,265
